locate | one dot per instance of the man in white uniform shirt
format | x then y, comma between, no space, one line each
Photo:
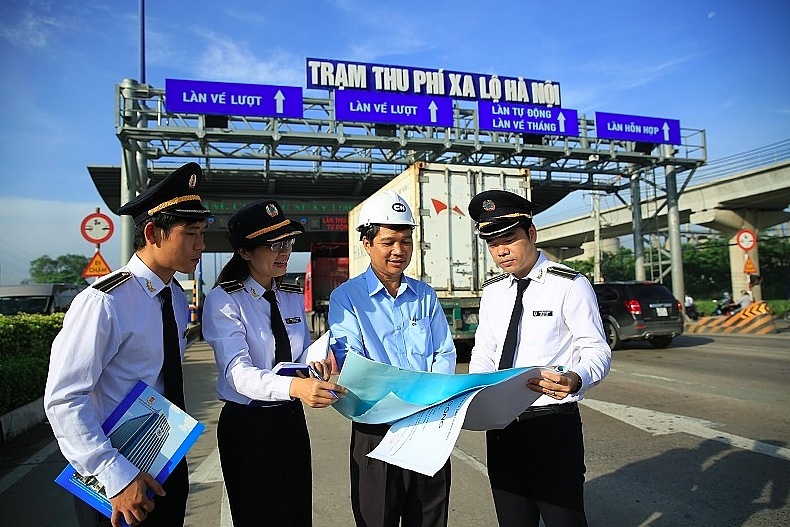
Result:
129,326
536,314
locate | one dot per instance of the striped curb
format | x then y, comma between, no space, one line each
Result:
755,319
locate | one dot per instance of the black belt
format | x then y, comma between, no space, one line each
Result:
540,411
259,404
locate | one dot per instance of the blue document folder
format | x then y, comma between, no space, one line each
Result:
149,431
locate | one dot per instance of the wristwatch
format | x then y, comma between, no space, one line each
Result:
578,385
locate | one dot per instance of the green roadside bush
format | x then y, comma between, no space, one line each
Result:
22,380
778,307
25,342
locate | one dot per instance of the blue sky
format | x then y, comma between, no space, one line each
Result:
722,66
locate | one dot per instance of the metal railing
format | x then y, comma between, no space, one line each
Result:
743,161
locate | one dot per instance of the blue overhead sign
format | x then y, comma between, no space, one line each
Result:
393,108
527,119
224,98
636,128
324,74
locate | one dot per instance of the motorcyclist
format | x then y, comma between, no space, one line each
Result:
690,308
725,305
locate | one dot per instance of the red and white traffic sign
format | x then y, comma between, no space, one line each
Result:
97,228
746,239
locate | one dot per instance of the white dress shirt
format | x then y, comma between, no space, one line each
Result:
560,326
238,326
109,341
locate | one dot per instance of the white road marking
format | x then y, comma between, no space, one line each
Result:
10,479
225,519
660,423
210,471
649,521
471,461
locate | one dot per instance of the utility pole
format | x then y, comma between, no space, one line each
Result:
673,226
597,237
636,213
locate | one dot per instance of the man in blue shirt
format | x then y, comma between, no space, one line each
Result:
388,317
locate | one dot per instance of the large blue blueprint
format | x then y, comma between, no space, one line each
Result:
381,393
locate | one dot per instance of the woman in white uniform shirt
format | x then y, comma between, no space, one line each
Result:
262,435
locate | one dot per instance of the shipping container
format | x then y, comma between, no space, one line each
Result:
447,254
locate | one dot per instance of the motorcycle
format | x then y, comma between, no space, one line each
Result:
726,307
692,312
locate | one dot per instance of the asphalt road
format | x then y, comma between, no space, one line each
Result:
697,434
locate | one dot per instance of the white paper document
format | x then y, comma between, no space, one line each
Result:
318,350
424,441
428,410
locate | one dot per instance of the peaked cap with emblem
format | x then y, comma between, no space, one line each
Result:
175,195
261,222
497,212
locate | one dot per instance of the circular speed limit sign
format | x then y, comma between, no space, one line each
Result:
97,228
746,239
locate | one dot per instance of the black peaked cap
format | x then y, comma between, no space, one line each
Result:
496,212
175,195
261,222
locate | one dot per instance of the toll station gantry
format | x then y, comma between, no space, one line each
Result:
331,165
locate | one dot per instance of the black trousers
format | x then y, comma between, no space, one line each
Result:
382,494
168,510
265,458
536,469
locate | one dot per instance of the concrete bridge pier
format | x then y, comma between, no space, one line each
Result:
730,222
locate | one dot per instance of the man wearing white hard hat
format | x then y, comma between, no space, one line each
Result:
389,317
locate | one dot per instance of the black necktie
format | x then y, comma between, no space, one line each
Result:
282,345
509,347
171,367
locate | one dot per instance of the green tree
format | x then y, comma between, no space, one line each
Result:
774,266
614,266
706,268
65,269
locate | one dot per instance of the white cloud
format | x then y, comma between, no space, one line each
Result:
606,78
29,30
227,60
729,103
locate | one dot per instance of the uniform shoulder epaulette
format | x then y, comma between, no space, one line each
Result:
290,288
563,272
108,283
231,286
496,278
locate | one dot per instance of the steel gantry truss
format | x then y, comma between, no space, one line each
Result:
317,145
285,154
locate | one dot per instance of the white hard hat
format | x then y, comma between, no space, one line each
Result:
385,208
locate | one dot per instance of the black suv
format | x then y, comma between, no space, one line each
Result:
638,311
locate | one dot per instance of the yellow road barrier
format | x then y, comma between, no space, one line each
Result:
755,319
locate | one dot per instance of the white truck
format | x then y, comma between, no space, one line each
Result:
447,253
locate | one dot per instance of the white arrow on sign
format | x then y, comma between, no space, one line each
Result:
279,97
666,132
433,108
660,423
561,119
